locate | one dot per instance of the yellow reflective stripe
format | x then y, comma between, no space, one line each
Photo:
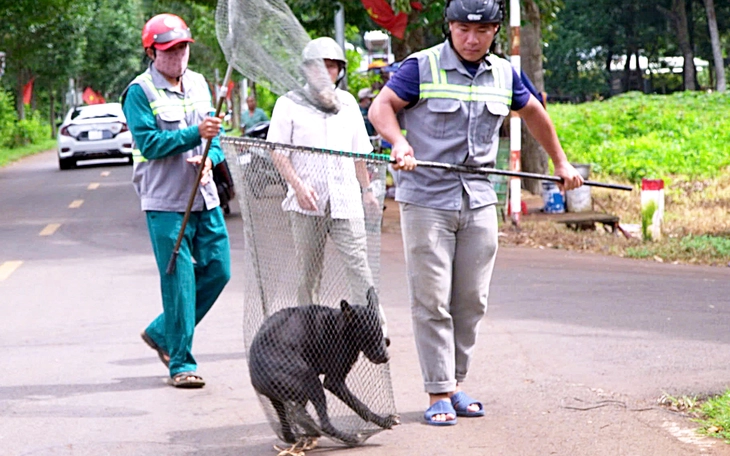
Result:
187,103
440,88
465,93
435,73
146,79
137,156
498,75
465,89
181,102
466,97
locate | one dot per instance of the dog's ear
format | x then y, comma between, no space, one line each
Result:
372,298
347,310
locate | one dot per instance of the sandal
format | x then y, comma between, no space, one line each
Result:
442,407
461,402
164,356
187,379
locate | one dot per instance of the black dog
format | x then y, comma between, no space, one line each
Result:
298,344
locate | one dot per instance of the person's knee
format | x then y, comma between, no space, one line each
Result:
224,273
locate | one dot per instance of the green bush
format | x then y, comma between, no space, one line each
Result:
18,133
7,118
635,135
31,130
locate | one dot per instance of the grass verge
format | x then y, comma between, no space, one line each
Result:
695,225
10,155
711,413
715,417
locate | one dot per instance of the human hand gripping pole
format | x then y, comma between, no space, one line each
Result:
221,98
383,158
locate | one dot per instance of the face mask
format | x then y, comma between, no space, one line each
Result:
172,63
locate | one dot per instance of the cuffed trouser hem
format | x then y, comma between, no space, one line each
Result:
440,387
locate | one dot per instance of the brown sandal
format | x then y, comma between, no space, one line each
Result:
187,380
164,356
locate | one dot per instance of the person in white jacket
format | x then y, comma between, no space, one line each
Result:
327,194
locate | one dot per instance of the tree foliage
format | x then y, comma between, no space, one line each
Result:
97,42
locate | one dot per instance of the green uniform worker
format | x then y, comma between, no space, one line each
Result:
168,110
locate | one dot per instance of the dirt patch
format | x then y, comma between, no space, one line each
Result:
694,209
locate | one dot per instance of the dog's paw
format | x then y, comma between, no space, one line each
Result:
386,422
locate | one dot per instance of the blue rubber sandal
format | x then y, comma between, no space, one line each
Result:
442,407
461,402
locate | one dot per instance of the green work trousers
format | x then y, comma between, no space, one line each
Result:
202,270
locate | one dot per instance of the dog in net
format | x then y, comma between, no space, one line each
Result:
314,328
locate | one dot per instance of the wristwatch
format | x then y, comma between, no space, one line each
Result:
365,190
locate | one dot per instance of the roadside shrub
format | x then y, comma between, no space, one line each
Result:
7,118
18,133
28,131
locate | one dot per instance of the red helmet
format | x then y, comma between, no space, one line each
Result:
164,31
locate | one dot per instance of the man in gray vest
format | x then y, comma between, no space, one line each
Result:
169,112
446,104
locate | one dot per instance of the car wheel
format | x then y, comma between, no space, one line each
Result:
66,163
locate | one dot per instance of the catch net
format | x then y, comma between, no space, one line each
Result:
318,365
264,41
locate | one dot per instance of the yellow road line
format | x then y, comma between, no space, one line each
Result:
105,173
7,268
75,204
49,229
93,186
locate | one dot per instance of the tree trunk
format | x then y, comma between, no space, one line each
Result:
413,40
534,159
678,16
716,47
19,106
52,112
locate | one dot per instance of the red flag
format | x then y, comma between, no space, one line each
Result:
230,90
382,14
28,91
90,97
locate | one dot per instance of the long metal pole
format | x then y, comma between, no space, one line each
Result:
384,158
176,250
515,123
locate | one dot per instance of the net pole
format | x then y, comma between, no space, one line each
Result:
384,158
515,184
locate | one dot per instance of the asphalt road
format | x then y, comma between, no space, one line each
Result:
573,355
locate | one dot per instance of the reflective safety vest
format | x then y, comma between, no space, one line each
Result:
164,184
456,120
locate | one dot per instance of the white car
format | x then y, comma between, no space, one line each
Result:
93,132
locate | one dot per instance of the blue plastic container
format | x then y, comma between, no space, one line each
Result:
552,198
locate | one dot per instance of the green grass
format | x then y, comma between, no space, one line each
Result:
715,417
10,155
711,249
635,136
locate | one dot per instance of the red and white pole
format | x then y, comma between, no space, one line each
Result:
515,140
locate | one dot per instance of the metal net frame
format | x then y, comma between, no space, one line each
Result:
264,41
298,270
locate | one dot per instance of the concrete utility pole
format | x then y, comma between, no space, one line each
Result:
515,125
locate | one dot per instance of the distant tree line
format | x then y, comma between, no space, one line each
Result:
569,47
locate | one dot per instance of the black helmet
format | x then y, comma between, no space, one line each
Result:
479,11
